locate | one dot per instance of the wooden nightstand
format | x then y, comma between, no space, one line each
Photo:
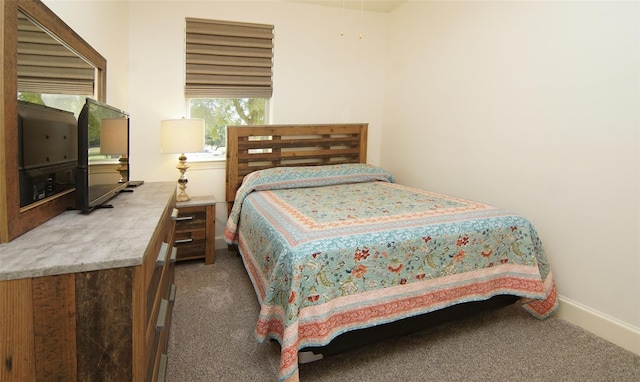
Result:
195,229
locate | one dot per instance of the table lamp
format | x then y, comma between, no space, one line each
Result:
114,137
179,136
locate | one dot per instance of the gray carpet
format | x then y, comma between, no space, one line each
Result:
212,339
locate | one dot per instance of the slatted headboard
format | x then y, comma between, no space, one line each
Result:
257,147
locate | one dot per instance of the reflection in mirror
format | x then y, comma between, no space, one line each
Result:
32,37
49,72
114,140
103,141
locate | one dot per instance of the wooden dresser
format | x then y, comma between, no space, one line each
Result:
88,297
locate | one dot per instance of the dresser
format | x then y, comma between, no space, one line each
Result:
88,297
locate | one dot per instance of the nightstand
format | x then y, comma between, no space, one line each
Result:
195,229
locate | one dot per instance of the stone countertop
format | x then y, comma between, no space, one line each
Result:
198,201
78,242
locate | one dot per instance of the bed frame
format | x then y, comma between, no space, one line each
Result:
257,147
252,148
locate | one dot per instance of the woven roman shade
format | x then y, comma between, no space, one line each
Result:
227,59
47,66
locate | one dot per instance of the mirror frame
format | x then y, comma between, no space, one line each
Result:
15,221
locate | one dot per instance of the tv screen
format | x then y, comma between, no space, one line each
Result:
103,154
47,152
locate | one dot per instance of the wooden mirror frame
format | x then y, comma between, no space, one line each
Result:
15,221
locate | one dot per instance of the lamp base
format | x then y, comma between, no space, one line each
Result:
182,196
123,168
182,181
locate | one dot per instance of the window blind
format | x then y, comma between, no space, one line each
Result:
46,66
226,59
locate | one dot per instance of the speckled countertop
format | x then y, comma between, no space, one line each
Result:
76,242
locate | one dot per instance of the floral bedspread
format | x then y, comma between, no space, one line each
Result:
336,248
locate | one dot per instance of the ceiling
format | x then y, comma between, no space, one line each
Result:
367,5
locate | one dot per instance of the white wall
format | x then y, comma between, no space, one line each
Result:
319,76
105,26
532,106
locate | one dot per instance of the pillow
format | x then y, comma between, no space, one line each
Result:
300,177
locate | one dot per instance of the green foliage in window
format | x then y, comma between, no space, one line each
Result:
31,97
220,112
72,103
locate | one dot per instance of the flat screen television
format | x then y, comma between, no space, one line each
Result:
103,155
47,152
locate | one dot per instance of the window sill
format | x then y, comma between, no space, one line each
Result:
206,163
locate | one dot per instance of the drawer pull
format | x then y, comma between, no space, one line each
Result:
172,293
182,241
174,255
174,214
162,368
162,315
182,218
162,255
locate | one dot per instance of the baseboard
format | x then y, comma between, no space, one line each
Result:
220,243
612,330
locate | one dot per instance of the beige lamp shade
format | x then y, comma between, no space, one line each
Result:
113,136
182,136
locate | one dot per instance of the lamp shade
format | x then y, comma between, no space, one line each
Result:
182,136
114,136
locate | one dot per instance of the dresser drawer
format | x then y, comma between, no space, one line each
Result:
160,316
156,368
156,287
160,290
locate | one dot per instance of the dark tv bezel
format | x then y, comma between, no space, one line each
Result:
83,202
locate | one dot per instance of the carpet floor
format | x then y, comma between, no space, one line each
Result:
212,339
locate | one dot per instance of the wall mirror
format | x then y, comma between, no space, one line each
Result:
48,71
43,61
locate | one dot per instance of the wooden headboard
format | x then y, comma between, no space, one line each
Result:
257,147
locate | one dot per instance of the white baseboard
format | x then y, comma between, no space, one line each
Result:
219,242
612,330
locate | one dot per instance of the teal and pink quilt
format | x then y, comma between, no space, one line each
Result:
336,248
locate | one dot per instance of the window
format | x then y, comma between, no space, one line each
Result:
228,77
220,112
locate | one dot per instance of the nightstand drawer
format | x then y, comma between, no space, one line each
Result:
190,218
191,244
192,250
195,229
185,237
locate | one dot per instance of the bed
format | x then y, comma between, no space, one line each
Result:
334,246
